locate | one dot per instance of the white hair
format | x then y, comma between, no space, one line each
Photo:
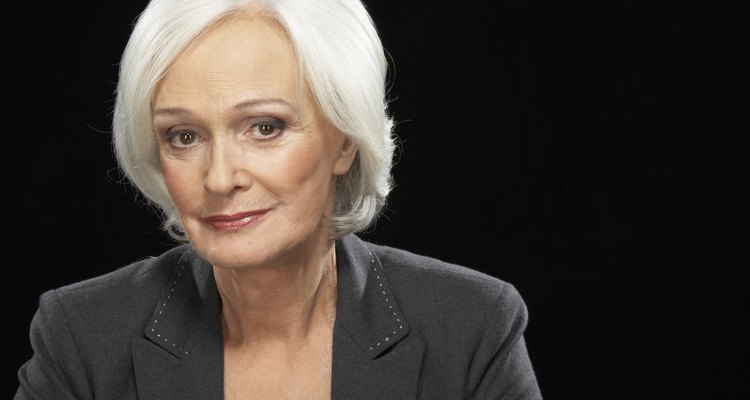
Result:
343,64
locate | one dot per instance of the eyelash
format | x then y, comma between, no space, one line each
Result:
171,138
278,127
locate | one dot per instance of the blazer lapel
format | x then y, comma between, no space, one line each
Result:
181,356
373,355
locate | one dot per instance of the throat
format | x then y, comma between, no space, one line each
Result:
280,370
290,308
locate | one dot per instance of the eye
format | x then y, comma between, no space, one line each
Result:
267,129
182,139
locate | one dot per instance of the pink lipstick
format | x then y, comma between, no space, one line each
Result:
226,222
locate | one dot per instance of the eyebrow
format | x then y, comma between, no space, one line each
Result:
236,107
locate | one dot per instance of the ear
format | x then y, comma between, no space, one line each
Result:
345,157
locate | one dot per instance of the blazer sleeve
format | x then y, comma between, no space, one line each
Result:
55,370
501,368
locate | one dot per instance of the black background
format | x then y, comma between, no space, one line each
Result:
592,153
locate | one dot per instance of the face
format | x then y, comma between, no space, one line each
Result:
247,157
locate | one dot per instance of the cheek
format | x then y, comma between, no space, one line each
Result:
301,179
303,167
180,183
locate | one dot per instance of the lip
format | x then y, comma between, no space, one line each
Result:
226,222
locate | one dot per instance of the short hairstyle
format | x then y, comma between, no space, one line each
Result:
342,62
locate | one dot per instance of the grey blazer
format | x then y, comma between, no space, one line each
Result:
407,327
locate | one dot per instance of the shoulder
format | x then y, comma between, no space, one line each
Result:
472,323
435,293
435,278
116,297
142,273
467,326
82,331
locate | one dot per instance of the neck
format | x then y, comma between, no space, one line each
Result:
288,302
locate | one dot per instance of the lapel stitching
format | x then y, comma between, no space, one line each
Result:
154,331
397,330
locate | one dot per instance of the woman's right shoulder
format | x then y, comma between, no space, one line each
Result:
84,329
140,281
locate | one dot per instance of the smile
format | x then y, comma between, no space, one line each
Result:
225,222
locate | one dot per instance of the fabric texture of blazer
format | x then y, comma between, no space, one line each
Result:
407,327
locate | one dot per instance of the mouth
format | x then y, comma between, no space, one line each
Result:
228,222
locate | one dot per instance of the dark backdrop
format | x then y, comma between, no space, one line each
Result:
592,153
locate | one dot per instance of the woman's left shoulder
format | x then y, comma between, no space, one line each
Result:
418,276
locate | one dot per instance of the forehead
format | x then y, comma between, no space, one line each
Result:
245,55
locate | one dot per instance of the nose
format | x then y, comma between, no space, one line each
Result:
227,170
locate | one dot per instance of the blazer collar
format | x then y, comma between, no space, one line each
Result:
373,355
181,355
365,307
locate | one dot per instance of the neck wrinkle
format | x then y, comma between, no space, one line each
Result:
276,306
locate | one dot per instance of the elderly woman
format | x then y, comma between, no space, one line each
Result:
260,129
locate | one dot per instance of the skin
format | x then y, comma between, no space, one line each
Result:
251,165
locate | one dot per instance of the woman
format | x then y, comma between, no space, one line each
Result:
260,129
